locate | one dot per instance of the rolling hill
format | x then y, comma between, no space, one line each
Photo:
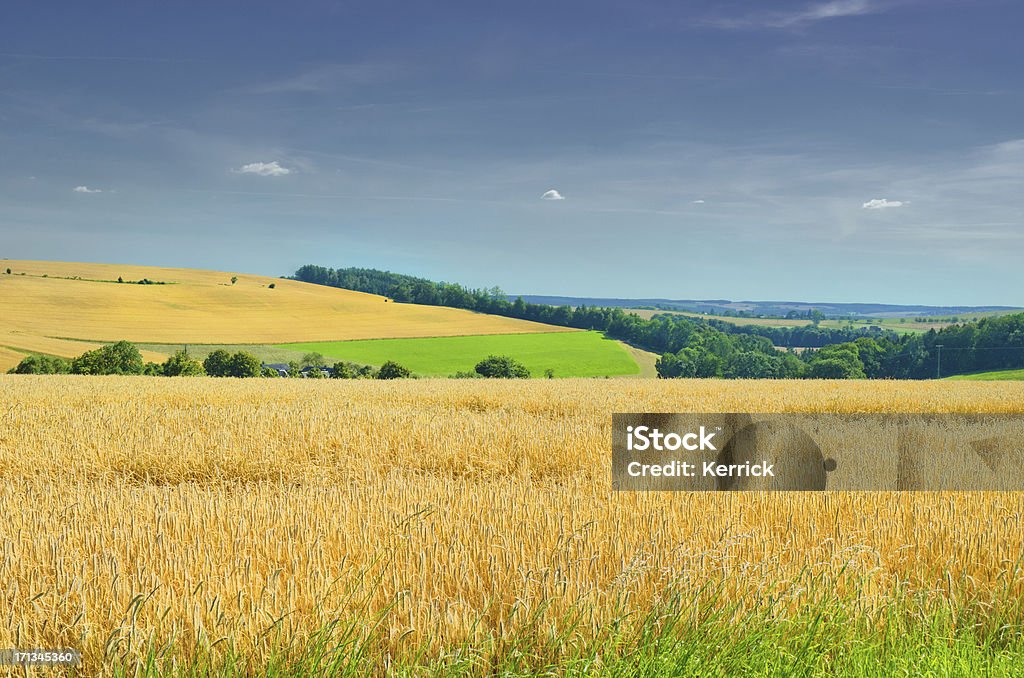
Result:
64,309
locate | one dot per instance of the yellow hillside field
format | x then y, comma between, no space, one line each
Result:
205,307
211,512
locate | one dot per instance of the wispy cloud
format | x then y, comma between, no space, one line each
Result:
552,195
820,11
881,204
264,169
698,202
328,78
86,189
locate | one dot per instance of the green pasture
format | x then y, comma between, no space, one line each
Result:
567,354
997,375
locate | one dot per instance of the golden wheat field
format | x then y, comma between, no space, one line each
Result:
198,514
65,309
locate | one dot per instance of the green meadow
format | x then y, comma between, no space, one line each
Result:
567,354
998,375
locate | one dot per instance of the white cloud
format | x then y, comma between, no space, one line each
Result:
812,13
698,202
552,195
882,203
331,77
264,169
86,189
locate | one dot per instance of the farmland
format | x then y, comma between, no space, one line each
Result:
64,309
566,354
361,527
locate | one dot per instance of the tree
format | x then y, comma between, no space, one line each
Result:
392,370
218,363
8,271
152,369
272,285
41,364
234,279
502,367
836,361
832,368
689,363
342,371
315,373
118,358
313,360
791,367
244,365
182,365
752,365
120,279
871,355
269,372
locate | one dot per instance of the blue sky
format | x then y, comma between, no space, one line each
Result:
848,150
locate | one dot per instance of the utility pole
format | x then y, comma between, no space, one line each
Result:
938,362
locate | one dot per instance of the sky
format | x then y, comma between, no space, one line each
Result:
840,150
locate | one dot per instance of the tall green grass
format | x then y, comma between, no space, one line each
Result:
916,635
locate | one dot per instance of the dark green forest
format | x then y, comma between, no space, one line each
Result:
697,347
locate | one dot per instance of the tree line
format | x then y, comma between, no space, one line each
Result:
698,347
124,358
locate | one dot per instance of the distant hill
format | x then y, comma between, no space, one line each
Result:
768,308
64,309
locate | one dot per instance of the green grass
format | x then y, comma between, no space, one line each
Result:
568,354
997,375
682,637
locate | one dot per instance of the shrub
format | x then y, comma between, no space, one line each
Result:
343,371
502,367
119,358
182,365
313,360
218,363
41,364
245,365
392,370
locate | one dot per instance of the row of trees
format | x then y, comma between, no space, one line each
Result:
124,358
989,344
763,361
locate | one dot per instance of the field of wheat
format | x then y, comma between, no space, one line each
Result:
45,304
161,520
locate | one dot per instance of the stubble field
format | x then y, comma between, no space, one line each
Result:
254,526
